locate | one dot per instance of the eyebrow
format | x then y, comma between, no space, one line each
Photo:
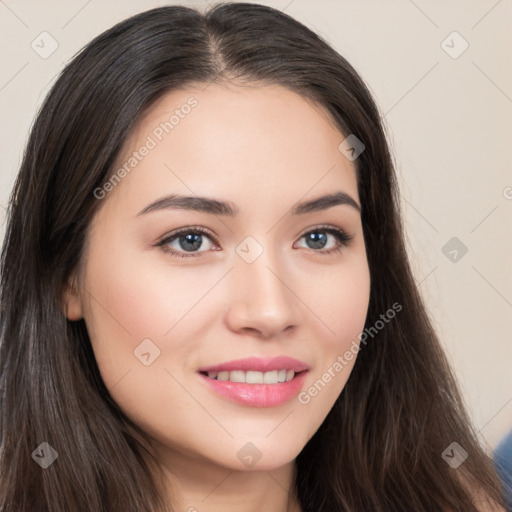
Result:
227,208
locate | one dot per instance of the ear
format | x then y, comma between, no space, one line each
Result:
72,302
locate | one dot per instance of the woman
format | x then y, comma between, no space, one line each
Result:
207,303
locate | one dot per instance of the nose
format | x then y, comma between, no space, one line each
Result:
261,298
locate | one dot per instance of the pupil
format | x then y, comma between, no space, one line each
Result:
195,240
319,240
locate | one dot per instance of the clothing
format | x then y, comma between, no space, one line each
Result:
503,463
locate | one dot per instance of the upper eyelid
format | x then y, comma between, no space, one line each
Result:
179,231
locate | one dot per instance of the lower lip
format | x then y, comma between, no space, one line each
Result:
258,395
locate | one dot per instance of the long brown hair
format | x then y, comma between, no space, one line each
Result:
380,447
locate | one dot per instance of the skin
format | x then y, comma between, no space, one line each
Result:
263,148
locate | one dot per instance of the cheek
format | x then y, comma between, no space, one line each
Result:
338,298
130,300
136,309
341,306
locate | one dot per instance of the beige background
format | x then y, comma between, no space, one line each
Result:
450,125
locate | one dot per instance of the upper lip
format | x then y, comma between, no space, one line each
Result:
259,364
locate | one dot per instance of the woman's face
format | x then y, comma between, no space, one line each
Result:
265,278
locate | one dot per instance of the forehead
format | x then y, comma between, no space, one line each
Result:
248,142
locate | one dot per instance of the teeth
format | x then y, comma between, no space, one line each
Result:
270,377
235,376
251,377
254,377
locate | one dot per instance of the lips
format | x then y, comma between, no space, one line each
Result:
260,387
257,395
258,364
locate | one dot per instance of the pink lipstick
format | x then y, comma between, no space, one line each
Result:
257,382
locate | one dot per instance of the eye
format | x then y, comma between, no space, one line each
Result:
317,238
186,240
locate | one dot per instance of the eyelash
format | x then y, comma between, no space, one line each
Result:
341,236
